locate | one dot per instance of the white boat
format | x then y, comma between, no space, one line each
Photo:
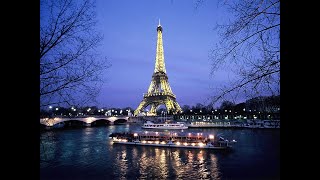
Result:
157,139
209,124
151,125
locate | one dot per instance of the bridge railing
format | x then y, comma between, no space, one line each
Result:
85,116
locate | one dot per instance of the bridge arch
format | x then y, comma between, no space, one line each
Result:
72,123
100,122
120,121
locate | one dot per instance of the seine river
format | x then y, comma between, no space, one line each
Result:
87,153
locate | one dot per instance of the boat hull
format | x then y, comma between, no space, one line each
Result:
173,145
164,127
209,126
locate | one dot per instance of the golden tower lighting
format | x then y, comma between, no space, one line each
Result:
159,91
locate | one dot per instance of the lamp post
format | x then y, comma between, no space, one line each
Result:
50,111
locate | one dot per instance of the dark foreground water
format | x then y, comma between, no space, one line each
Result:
88,154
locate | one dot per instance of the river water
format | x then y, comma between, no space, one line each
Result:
88,153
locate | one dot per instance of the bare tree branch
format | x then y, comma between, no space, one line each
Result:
250,48
70,67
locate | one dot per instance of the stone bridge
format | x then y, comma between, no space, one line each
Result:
87,120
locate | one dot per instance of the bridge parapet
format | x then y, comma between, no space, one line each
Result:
88,120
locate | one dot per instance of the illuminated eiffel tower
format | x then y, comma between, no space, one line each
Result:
159,91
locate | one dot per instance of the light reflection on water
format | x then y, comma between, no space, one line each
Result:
89,154
162,163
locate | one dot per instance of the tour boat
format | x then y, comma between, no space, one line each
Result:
173,139
209,124
151,125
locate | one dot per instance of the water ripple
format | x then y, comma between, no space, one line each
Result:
88,154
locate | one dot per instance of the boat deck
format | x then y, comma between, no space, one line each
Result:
181,140
174,145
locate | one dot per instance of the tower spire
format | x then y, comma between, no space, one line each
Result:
160,65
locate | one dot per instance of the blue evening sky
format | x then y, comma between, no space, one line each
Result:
129,29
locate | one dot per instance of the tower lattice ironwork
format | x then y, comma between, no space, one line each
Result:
159,91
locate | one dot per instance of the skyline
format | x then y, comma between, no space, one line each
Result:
129,44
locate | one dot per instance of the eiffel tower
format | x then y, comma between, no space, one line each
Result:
159,91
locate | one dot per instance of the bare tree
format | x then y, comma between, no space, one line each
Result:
250,48
70,66
227,105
